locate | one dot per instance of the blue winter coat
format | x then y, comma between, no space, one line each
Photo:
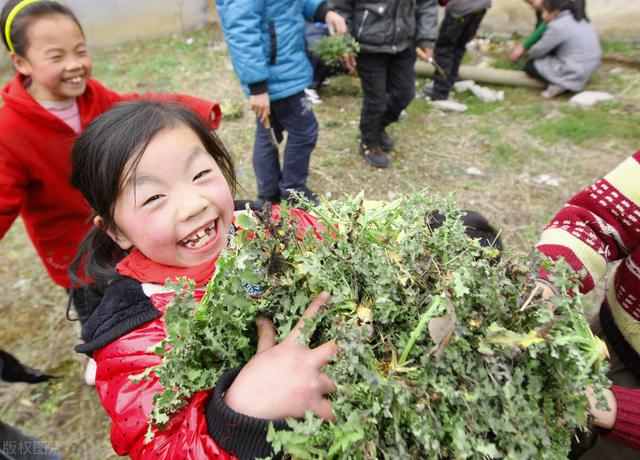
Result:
265,39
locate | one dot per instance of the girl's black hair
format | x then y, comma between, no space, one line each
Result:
104,155
577,7
27,16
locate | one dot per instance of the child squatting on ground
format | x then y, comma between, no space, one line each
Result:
598,226
267,47
569,50
51,99
160,185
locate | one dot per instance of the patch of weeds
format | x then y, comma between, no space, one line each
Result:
531,235
619,47
577,125
232,109
500,151
529,112
504,152
331,123
489,134
420,105
328,162
343,85
503,63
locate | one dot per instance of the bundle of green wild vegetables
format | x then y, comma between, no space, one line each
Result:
445,352
332,48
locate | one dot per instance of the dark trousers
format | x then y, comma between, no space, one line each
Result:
530,69
453,37
295,116
388,84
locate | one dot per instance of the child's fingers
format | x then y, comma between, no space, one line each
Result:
326,384
266,335
324,353
323,410
312,310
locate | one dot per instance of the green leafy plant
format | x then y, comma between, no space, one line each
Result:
445,352
334,47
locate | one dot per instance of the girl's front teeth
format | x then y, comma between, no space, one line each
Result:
75,80
199,239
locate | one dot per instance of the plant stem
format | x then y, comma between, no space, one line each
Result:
424,318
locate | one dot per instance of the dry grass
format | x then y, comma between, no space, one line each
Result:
523,134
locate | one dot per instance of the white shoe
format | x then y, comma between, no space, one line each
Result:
313,96
552,91
90,373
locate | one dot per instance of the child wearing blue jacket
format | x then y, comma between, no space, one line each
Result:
266,43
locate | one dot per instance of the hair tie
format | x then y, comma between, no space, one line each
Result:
14,12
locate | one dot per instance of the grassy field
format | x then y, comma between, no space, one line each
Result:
510,142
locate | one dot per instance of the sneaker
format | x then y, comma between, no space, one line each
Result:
373,155
552,91
432,95
386,143
313,96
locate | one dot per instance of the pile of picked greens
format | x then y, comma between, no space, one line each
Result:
333,48
447,350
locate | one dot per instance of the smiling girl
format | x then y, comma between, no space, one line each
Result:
48,102
160,185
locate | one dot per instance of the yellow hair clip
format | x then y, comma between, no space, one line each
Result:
14,12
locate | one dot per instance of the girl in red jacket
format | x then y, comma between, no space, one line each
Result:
48,102
160,185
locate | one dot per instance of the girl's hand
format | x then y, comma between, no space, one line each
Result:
260,105
517,53
285,380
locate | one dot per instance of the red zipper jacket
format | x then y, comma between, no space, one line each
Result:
35,164
128,322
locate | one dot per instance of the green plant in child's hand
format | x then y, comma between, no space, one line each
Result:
334,47
443,353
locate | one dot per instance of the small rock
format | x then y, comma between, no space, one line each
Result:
463,85
589,98
487,94
450,106
473,171
403,115
616,70
546,179
189,41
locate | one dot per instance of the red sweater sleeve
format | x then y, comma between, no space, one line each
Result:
129,403
599,224
208,110
627,427
13,183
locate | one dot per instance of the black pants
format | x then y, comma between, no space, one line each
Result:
388,84
453,37
294,115
530,69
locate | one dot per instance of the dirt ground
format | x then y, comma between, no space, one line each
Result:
509,143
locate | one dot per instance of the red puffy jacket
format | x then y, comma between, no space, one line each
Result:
127,324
